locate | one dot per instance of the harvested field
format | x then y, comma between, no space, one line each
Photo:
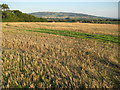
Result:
62,55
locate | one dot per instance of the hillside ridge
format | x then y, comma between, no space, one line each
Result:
63,15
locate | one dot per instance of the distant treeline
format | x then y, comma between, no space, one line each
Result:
85,20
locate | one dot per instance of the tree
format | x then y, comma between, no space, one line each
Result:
4,7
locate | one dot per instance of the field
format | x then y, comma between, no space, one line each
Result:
60,55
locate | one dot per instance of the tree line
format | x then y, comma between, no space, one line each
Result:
87,20
17,16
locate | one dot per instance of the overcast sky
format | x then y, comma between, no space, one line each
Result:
105,8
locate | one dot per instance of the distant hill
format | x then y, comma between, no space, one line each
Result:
74,17
62,15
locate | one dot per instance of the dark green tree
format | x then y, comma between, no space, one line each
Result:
4,7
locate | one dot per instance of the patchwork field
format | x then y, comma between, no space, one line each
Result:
61,55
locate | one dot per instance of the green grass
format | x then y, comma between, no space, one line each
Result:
100,37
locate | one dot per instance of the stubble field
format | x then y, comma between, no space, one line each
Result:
61,55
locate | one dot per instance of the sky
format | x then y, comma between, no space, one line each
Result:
59,0
104,8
